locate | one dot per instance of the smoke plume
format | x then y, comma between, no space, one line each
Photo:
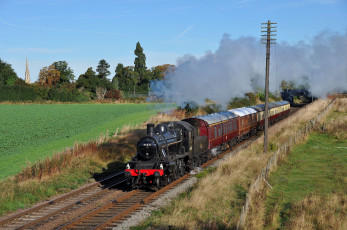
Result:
238,65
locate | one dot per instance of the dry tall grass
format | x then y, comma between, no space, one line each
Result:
319,212
336,123
218,198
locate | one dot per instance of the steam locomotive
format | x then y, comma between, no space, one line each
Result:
171,149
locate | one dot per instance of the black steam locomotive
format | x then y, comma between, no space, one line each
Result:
167,152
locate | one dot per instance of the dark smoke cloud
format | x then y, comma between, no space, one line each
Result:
228,71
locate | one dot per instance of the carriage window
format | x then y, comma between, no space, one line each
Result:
215,132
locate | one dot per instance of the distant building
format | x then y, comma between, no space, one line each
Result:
27,73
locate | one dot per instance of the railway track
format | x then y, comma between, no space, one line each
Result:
31,218
115,212
105,216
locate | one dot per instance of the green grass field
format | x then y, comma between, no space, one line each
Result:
317,167
33,131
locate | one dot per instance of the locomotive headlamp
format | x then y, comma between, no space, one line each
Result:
161,166
128,166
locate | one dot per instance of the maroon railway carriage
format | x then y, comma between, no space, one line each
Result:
220,128
247,122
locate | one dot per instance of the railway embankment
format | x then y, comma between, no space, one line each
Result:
307,188
218,198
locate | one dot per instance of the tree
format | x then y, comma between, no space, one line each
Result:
140,61
118,77
7,74
66,73
115,83
100,93
130,80
102,69
89,81
48,76
160,71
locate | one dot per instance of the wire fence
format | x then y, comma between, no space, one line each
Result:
285,148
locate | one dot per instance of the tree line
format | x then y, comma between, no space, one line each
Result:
57,82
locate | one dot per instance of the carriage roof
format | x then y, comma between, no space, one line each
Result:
216,117
243,111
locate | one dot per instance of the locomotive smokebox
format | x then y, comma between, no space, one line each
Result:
150,129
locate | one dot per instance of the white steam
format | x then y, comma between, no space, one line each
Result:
228,71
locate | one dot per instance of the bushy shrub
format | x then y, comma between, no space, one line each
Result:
113,94
17,93
65,95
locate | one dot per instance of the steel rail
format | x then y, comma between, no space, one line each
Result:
137,205
100,209
70,205
66,196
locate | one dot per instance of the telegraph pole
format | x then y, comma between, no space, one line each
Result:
268,40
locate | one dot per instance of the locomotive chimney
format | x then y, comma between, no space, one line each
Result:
150,129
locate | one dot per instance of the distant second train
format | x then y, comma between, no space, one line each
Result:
171,149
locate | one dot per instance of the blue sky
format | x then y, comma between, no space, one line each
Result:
83,32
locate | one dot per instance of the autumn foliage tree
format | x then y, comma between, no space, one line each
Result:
48,76
160,71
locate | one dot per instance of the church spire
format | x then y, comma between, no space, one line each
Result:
27,73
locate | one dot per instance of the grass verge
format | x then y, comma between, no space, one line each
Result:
314,171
